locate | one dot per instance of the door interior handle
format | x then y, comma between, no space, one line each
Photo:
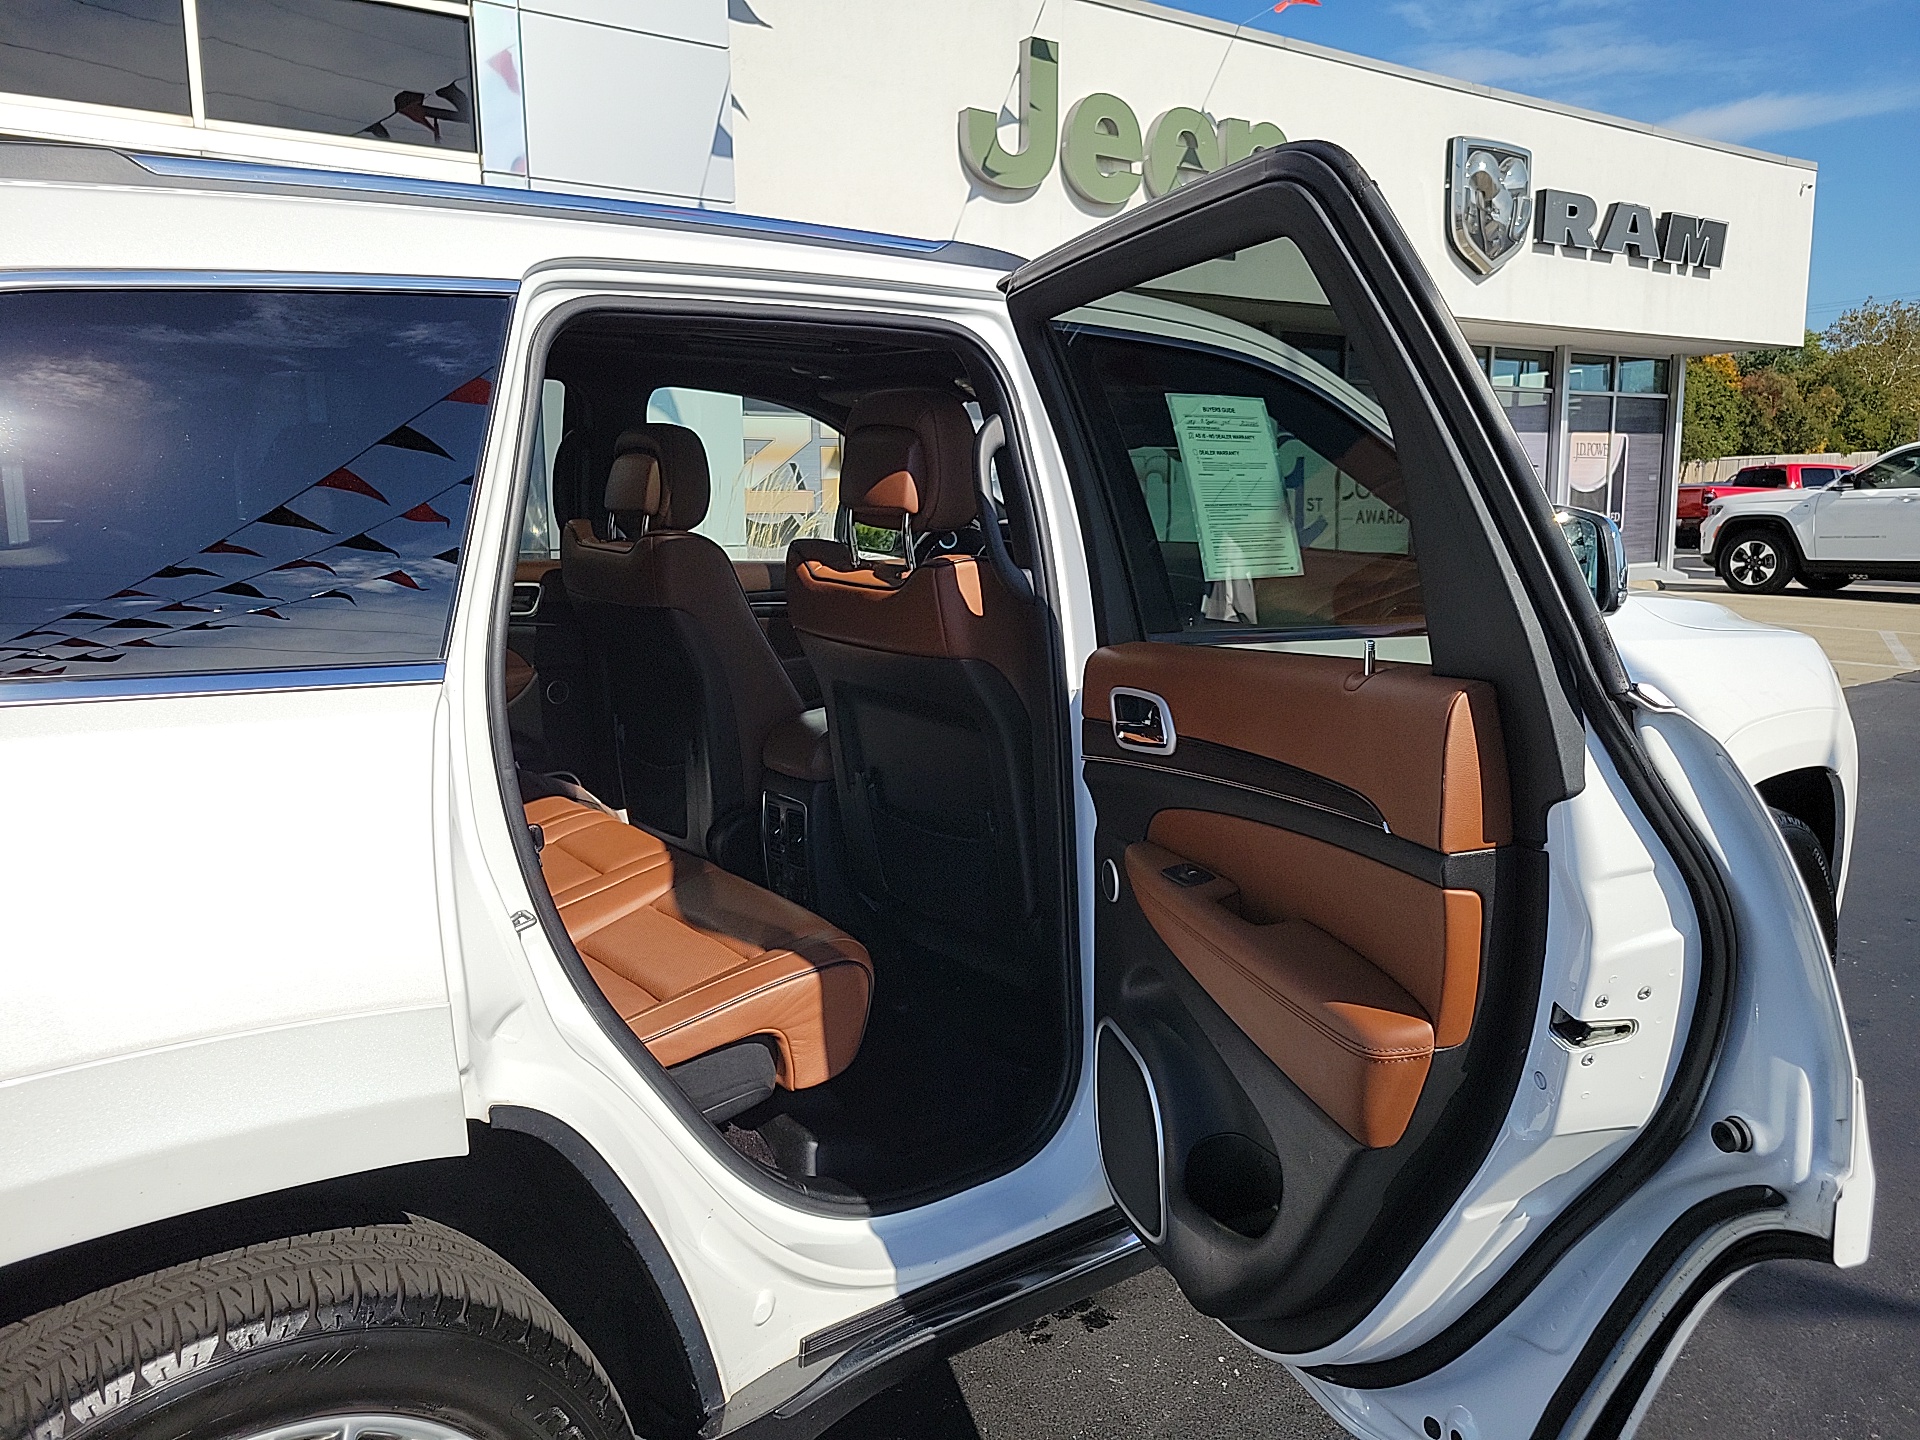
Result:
1142,721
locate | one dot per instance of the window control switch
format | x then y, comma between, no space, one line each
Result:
1188,874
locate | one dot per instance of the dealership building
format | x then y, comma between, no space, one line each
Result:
1585,256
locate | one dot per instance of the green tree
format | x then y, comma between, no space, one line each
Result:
1855,387
1711,420
1878,346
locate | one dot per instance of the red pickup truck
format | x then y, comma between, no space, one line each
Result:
1788,475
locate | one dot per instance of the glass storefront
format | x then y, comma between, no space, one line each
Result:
1616,419
1523,379
393,71
1617,444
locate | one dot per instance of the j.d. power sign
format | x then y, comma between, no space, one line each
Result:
1103,154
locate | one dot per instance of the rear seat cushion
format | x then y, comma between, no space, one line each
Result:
693,957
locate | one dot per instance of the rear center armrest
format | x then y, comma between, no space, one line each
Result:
799,748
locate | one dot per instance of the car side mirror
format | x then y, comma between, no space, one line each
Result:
1599,552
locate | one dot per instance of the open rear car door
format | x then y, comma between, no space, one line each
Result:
1461,1025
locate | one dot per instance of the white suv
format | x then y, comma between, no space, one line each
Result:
1865,525
632,821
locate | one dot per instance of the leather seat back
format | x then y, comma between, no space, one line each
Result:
691,681
929,674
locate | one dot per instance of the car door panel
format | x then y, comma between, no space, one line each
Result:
1355,923
1334,950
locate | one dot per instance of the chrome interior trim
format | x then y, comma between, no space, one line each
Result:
1380,825
1159,1128
28,691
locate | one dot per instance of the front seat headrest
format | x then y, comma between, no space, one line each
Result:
909,453
658,480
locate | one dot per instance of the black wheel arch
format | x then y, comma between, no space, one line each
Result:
1773,524
530,1188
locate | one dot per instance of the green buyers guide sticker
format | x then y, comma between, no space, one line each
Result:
1233,471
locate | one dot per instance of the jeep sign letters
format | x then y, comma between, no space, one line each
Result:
1103,155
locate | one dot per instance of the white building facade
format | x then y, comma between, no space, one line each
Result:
1585,256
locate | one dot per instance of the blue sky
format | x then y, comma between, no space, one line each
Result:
1835,81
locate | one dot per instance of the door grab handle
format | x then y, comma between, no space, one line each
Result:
1142,721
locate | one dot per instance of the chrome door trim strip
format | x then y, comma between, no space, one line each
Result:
66,690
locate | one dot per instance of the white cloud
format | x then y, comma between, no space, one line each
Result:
1774,113
1574,52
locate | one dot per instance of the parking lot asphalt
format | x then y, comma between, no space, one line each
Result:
1793,1351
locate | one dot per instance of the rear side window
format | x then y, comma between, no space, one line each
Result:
1812,477
221,480
1765,477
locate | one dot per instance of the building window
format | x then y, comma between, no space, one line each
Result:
132,53
340,67
398,71
784,485
1523,381
1617,451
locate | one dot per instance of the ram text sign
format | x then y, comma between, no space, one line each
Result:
1489,211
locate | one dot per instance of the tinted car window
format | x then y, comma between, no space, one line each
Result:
197,481
1812,477
1267,495
1769,477
1899,471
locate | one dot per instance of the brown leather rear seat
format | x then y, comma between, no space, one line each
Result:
695,958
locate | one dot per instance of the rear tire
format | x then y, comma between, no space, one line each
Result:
1810,859
403,1330
1755,562
1826,584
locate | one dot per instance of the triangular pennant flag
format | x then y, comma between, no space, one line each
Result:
305,565
180,572
269,612
400,577
334,595
181,607
209,625
96,659
367,542
74,645
345,479
457,98
408,438
426,514
477,391
84,615
452,557
145,645
227,547
242,588
130,595
281,515
137,624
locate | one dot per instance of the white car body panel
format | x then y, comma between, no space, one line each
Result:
156,1057
404,997
1769,695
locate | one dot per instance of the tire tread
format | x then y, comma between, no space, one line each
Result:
76,1363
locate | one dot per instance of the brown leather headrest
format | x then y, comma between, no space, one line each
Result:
660,472
909,453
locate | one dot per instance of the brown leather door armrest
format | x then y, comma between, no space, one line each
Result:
799,748
1337,1025
519,675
